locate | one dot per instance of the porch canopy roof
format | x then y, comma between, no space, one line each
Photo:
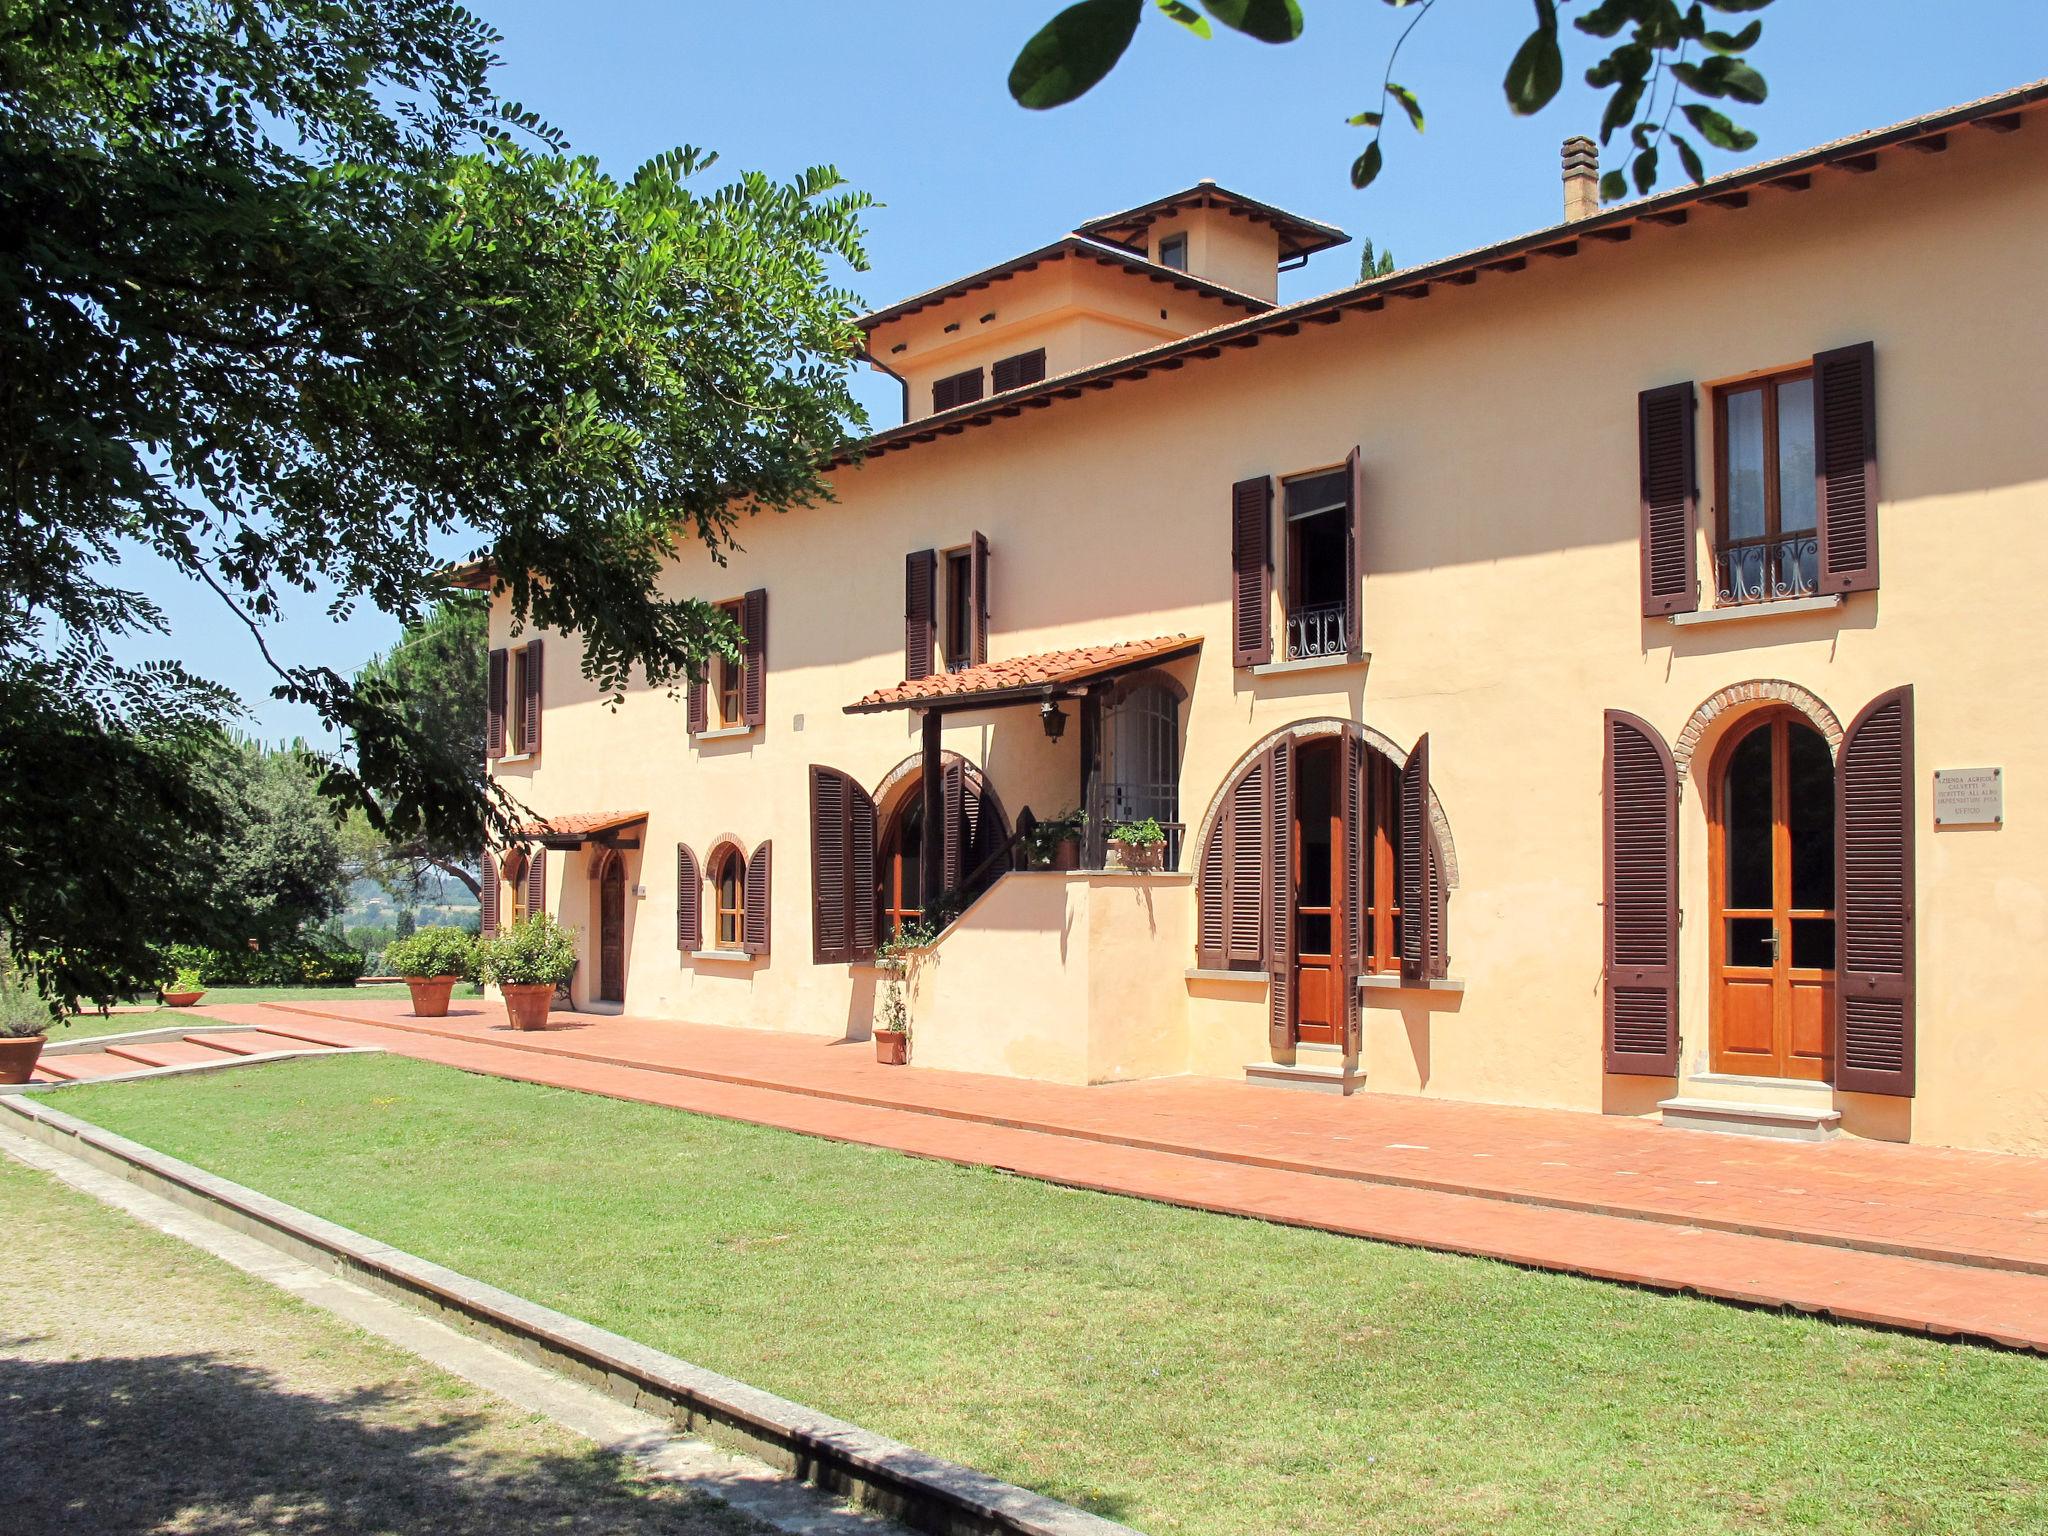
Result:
576,828
1025,679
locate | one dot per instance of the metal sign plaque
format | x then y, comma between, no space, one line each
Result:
1969,797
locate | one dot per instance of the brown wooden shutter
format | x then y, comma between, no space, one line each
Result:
487,897
530,736
1212,888
842,868
920,612
494,709
754,658
1251,571
953,841
1354,533
1351,936
1640,900
1845,466
1280,895
1413,875
696,707
689,900
977,597
1245,868
1670,500
1016,372
1874,895
956,389
537,882
755,920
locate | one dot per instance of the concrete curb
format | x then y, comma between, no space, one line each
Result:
86,1044
898,1480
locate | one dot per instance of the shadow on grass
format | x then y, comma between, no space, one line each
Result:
96,1447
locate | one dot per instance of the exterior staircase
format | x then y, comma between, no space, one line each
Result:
165,1052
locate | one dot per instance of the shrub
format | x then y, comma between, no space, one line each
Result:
187,979
535,951
315,958
23,1013
432,952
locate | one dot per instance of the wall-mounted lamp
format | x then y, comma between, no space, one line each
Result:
1053,718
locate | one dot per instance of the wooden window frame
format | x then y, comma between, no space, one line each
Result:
732,707
728,860
1175,242
896,905
1770,381
956,601
1291,572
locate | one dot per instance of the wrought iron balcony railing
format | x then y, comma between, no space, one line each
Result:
1313,632
1769,570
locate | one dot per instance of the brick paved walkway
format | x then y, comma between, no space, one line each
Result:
1921,1238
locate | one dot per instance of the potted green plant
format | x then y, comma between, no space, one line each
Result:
900,956
185,988
526,963
24,1031
432,960
1055,843
1138,845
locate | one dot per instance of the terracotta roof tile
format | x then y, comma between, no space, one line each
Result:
1046,669
581,823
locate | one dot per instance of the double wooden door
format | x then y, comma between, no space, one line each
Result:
1773,879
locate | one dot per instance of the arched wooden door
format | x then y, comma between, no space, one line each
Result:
611,932
1772,806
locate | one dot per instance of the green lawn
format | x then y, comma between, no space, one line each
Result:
1174,1369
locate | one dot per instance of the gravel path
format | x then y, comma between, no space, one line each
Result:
147,1387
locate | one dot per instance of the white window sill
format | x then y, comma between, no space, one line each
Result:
1784,608
517,757
726,733
1345,663
1394,981
1243,978
729,956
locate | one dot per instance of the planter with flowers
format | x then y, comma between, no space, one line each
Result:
1056,843
901,956
185,988
526,963
432,960
1138,845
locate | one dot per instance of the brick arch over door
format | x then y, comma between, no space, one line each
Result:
1330,725
1741,696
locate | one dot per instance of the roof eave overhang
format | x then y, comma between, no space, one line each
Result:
1028,693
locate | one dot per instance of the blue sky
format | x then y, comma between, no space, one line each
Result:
907,99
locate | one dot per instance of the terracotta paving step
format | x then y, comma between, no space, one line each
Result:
1952,1207
84,1064
256,1042
165,1053
2001,1306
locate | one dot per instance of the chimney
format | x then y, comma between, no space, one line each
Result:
1581,178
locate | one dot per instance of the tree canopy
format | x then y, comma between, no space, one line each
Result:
290,298
1670,52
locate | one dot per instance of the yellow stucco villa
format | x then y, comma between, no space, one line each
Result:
1567,674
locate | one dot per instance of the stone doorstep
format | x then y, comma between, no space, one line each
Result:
1730,1117
895,1479
1311,1076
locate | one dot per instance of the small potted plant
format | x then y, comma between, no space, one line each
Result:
24,1031
526,963
1055,843
1138,845
185,988
900,956
432,960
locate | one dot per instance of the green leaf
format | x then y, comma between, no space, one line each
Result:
1270,21
1073,51
1716,129
1409,103
1621,107
1367,166
1689,157
1734,42
1723,76
1186,15
1365,120
1535,72
1613,187
1731,7
1608,18
1646,171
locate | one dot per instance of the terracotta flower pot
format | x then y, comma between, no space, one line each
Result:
1066,855
892,1047
430,995
182,999
18,1055
526,1003
1142,858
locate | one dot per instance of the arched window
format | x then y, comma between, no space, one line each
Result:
902,866
1141,761
970,851
514,875
729,893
